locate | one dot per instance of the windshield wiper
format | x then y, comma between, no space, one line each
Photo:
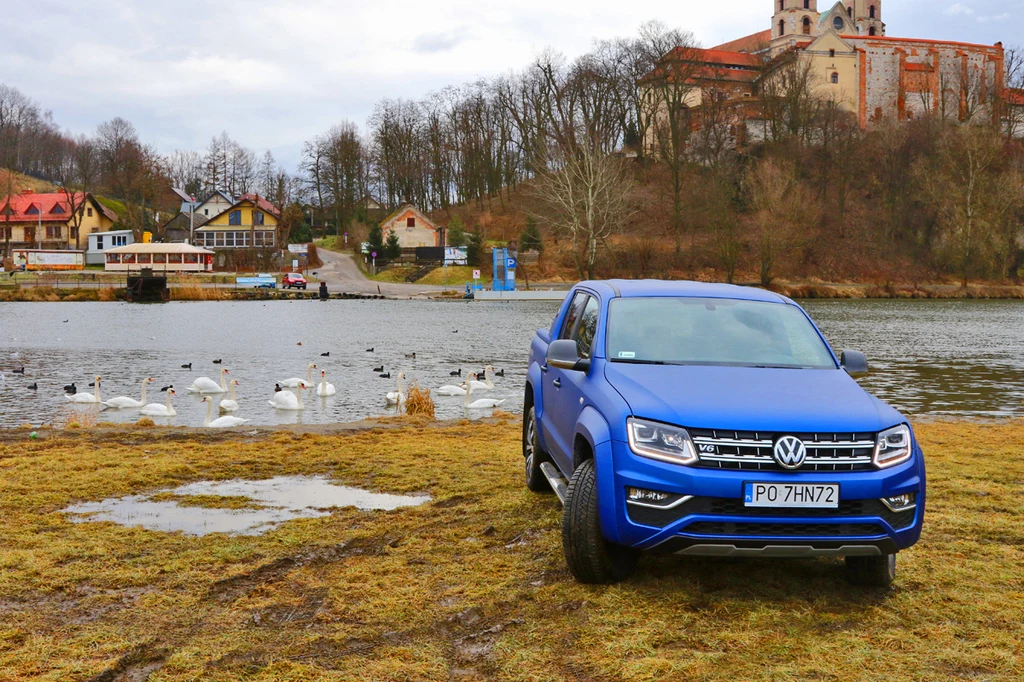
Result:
633,361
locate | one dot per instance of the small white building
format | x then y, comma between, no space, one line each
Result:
160,258
99,242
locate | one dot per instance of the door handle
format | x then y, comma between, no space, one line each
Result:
543,368
557,383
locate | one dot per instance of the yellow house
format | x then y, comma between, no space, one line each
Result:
56,220
250,223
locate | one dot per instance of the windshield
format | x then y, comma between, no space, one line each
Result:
707,331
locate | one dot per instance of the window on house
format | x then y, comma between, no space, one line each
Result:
5,233
74,234
871,31
849,12
410,222
128,258
235,218
32,210
838,23
53,231
113,258
871,12
174,258
88,212
99,243
807,4
257,217
782,27
835,78
831,53
159,258
807,26
206,211
144,259
57,210
782,5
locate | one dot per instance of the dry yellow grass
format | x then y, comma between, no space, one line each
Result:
473,584
419,401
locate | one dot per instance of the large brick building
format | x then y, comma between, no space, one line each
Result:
843,55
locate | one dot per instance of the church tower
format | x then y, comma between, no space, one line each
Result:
795,20
866,16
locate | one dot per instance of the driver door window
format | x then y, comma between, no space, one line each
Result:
573,316
587,328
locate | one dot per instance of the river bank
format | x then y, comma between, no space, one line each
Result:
226,292
472,583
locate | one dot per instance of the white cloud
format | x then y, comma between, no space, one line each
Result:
957,9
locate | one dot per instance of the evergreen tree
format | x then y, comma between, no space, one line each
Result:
392,249
375,240
530,239
456,232
474,248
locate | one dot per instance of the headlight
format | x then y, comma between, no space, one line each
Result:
893,446
660,441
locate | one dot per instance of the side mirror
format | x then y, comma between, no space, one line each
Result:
854,362
564,354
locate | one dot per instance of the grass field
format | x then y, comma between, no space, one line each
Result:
471,585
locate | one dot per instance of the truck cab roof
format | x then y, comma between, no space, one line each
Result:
646,288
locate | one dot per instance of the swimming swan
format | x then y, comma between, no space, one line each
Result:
158,410
220,422
295,381
124,402
208,385
481,404
397,397
286,400
87,397
324,388
231,404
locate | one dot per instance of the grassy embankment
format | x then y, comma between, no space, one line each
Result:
472,583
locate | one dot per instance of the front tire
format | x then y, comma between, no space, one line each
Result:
533,455
591,559
871,571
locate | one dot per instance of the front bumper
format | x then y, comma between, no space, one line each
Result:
713,520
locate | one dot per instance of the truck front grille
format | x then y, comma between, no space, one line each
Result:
752,450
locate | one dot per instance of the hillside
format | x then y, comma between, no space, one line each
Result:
20,182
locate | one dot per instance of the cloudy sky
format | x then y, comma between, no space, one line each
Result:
276,72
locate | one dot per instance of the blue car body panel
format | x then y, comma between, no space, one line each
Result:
594,406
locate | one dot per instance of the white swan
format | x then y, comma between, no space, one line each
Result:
231,404
219,422
158,410
397,397
451,389
295,381
208,385
484,385
87,397
286,400
124,402
324,388
481,404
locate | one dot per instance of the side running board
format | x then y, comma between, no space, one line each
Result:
555,479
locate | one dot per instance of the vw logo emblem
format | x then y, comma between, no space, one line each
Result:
790,452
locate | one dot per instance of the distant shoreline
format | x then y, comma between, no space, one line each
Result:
797,291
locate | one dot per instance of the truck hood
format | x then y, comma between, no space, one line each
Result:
750,399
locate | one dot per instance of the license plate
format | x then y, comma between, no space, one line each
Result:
801,495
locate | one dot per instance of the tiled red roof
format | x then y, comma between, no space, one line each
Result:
262,203
710,65
51,207
1015,96
755,41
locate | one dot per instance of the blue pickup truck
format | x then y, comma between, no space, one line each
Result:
713,420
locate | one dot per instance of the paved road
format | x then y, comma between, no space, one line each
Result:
343,276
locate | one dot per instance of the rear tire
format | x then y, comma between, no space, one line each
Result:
591,559
533,455
871,571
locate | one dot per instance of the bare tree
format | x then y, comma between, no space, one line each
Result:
973,193
587,197
1013,105
780,211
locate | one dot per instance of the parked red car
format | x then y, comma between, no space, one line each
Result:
293,280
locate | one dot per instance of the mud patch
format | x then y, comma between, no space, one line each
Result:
136,665
273,501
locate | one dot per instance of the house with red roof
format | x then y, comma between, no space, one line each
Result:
54,220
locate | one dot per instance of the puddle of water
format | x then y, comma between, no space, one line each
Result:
275,501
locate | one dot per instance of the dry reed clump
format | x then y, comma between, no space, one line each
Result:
70,417
313,256
419,402
145,423
195,292
108,294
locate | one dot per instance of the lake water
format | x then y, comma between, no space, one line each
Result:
959,358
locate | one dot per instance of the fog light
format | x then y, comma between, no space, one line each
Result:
642,497
649,496
900,503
